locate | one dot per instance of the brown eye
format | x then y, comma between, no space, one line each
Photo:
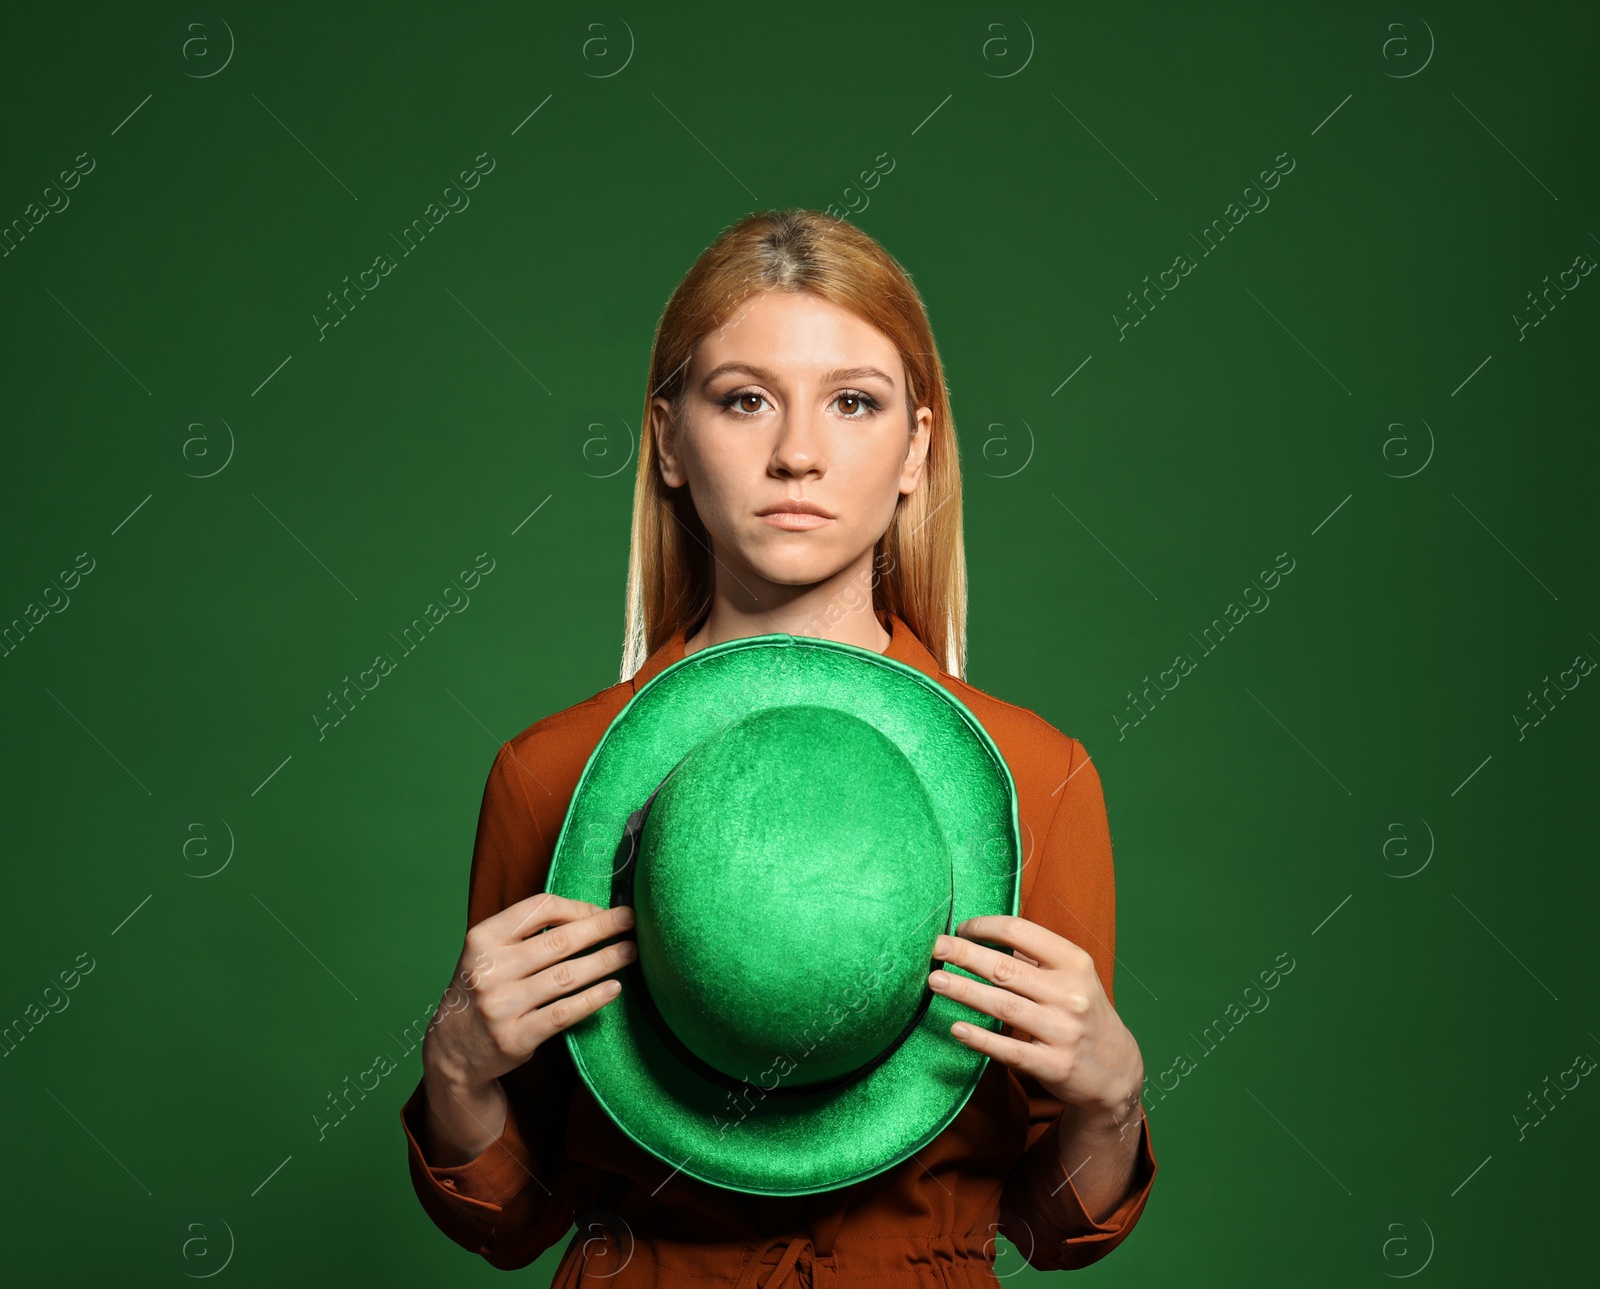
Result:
750,403
849,404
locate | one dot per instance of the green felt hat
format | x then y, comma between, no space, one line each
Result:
795,822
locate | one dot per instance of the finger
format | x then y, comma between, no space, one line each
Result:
563,977
1051,951
529,916
1002,968
563,940
562,1014
1013,1009
1029,1058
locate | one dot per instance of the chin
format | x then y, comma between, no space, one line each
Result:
796,565
797,572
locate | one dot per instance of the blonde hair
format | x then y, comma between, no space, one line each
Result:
920,562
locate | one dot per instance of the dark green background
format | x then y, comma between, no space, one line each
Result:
1175,465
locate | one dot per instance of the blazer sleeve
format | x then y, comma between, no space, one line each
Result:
518,1197
1074,895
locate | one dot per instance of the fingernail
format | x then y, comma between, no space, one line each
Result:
627,950
624,917
941,946
937,980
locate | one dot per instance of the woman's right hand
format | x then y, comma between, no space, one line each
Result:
513,989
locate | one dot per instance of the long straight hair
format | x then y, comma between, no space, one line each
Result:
920,562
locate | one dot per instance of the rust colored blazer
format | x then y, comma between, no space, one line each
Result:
928,1222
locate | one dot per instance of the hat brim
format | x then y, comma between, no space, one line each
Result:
790,1144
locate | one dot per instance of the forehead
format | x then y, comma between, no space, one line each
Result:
795,334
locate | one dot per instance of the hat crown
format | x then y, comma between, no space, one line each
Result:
791,880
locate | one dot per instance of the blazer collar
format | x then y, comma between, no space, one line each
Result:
903,647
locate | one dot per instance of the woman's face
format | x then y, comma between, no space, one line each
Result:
797,440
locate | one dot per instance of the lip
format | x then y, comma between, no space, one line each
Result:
796,515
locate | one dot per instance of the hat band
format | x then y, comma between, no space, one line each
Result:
622,872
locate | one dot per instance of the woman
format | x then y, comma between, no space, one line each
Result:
798,474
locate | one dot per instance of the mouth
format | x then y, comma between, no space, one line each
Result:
796,516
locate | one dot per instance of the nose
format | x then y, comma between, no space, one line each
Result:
799,450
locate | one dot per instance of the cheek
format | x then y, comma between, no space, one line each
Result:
869,476
722,469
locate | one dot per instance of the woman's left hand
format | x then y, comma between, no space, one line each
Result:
1072,1040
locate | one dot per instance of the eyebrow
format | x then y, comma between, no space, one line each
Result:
828,378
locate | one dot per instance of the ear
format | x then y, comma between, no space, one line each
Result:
667,459
917,450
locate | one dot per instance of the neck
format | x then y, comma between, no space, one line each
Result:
838,608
